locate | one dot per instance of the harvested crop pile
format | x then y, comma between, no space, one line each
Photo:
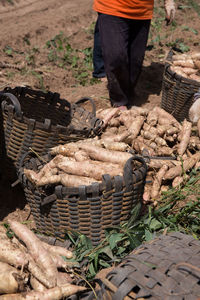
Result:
32,269
169,147
187,65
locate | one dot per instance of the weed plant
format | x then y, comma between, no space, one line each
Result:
79,61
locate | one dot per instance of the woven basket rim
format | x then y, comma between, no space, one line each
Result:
139,173
47,124
176,76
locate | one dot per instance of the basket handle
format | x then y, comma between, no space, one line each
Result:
128,170
24,156
14,101
85,99
19,170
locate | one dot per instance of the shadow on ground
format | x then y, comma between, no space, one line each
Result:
11,198
149,83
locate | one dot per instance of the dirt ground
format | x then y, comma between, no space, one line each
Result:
26,27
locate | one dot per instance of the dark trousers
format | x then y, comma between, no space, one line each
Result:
123,43
98,64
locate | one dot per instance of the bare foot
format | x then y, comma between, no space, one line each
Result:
103,79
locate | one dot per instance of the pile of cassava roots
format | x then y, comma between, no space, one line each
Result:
31,269
186,65
170,149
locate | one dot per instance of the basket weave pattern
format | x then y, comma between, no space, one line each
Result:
177,91
85,209
165,268
42,120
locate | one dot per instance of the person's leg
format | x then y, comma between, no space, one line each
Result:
114,34
98,64
138,41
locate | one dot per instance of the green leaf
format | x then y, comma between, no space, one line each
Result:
92,270
134,239
103,263
135,213
106,250
74,61
148,235
184,6
83,75
194,31
155,224
96,259
183,47
120,250
83,254
114,239
86,241
9,52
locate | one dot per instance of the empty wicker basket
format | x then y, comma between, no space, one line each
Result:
41,120
85,209
177,91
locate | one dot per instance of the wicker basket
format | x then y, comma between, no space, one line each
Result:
165,268
2,144
85,209
177,91
42,120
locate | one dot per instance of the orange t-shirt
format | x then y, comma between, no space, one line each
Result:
131,9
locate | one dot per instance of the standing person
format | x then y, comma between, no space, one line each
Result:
124,28
98,64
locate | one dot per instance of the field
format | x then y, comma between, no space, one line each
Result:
47,45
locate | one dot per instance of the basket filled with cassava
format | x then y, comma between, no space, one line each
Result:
76,188
170,148
41,120
181,80
69,188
